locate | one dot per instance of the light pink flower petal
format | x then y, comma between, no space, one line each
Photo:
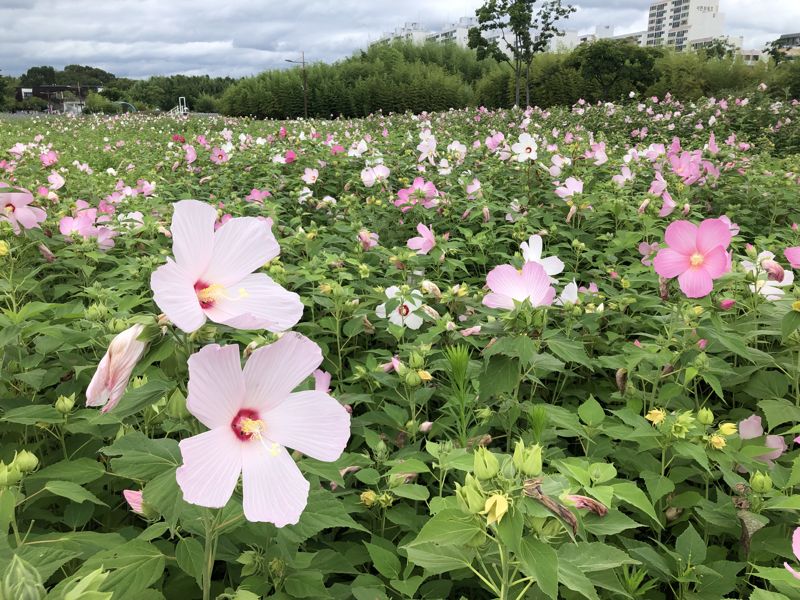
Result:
537,284
794,573
312,422
322,381
750,428
257,302
716,262
695,283
216,385
240,247
193,236
669,263
173,292
114,371
552,265
273,371
493,300
681,236
796,543
506,280
793,256
211,465
274,489
712,233
777,443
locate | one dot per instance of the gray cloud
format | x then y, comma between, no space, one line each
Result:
138,38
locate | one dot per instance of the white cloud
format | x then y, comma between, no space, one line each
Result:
239,37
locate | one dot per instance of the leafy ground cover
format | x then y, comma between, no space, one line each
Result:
512,354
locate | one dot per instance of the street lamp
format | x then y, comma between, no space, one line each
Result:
302,62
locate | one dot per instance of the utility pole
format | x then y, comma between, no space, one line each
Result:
302,62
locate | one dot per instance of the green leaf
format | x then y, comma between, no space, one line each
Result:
692,451
790,323
594,556
569,351
779,412
591,412
500,377
783,503
658,486
539,561
305,584
436,559
80,471
521,347
136,399
412,491
72,491
612,523
189,555
385,561
768,385
691,547
142,458
323,511
631,493
764,594
448,528
31,415
572,577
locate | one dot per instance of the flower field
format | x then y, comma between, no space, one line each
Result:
472,354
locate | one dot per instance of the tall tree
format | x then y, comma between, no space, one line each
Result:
39,76
514,31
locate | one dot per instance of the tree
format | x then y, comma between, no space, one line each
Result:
520,29
36,76
777,52
614,68
719,48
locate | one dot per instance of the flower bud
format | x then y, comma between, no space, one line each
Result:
760,482
705,416
727,428
774,270
9,475
64,404
425,426
727,303
416,361
369,498
495,508
4,248
424,375
412,379
485,464
22,581
528,460
431,288
25,461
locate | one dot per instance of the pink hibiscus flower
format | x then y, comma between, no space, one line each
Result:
425,242
212,274
571,187
135,500
111,378
14,208
793,256
253,415
796,550
49,158
751,428
508,284
420,192
367,239
696,255
219,156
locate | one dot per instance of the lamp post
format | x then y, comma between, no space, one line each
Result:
302,62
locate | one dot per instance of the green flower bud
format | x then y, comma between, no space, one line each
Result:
22,581
470,495
529,460
88,587
412,379
705,416
9,475
416,361
760,482
64,404
485,464
25,461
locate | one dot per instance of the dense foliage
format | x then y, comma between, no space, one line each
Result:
597,435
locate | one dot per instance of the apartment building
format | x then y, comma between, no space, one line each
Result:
679,23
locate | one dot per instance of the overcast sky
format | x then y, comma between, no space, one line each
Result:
138,38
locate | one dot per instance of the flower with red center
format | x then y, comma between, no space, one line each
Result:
404,313
253,415
15,208
219,156
420,192
509,285
696,255
212,274
526,148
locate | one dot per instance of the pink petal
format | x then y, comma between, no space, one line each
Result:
240,247
506,280
794,573
695,283
750,428
257,302
212,462
493,300
274,489
712,233
716,262
273,371
173,292
777,443
796,544
216,385
193,236
97,394
537,284
681,237
793,256
670,263
311,422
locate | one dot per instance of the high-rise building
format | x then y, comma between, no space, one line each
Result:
679,23
416,33
456,33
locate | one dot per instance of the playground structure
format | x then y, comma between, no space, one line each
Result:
182,108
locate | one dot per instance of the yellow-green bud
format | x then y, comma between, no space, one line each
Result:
25,461
64,404
760,482
470,495
415,361
412,379
485,464
4,248
369,498
528,460
9,475
705,416
22,581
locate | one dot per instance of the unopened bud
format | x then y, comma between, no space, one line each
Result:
760,482
705,416
64,404
25,461
485,464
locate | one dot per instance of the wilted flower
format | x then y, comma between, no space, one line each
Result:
111,378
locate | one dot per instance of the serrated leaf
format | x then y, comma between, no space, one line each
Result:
72,491
540,561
